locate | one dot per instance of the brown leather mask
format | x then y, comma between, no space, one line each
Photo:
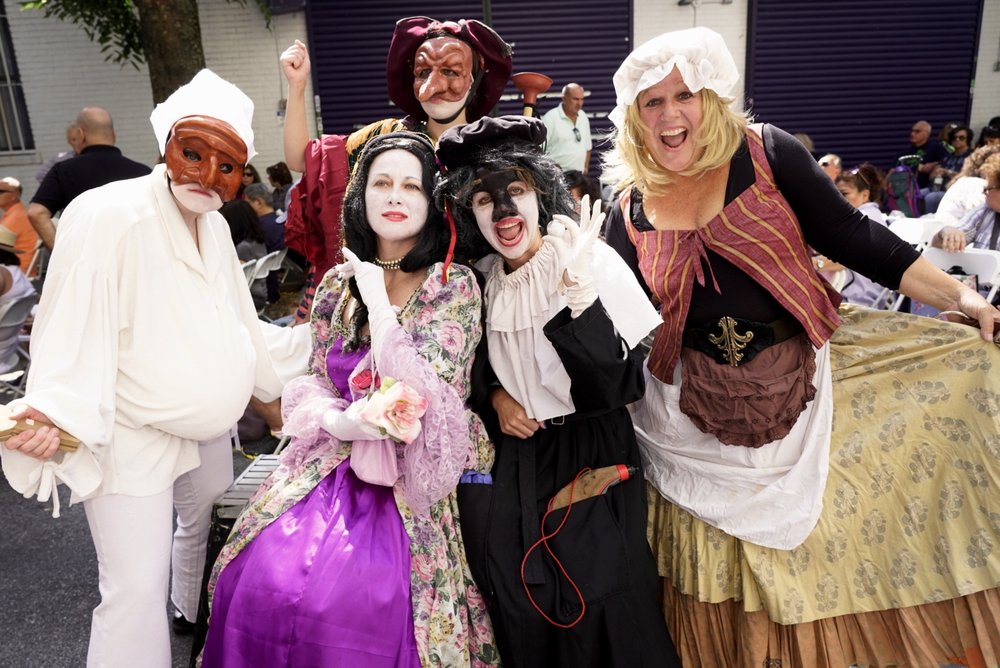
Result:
442,67
208,152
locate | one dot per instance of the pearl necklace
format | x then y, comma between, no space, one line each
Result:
388,264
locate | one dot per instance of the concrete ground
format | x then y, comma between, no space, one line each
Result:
48,571
48,584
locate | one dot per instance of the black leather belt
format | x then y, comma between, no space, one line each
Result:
735,341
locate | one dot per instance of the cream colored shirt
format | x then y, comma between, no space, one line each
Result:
143,345
962,197
519,304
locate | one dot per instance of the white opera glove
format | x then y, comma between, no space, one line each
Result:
578,275
348,425
371,283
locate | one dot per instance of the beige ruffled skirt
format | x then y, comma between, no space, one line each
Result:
904,563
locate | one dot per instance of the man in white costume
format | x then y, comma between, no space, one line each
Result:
147,348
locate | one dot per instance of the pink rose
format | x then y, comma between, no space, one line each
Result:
362,381
396,409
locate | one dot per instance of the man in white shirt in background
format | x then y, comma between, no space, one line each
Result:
568,128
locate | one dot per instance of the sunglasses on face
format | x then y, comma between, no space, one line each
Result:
576,134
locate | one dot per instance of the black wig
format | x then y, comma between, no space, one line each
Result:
494,145
432,242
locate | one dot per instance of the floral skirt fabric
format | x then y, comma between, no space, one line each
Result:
911,509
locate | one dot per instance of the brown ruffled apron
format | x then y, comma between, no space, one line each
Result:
754,403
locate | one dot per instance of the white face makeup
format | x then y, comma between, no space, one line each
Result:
506,212
441,109
673,115
194,198
395,202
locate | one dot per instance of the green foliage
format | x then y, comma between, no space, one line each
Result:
114,24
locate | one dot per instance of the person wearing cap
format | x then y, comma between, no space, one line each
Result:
564,317
13,286
439,73
146,348
351,553
778,430
15,219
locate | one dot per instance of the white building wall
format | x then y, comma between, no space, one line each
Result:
986,95
239,48
62,71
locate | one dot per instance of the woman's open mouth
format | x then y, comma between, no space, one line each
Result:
673,138
509,231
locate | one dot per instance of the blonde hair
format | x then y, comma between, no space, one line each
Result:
629,163
975,161
990,171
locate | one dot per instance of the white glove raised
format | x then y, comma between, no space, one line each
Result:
371,283
348,425
574,244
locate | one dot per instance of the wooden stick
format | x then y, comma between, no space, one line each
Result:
67,442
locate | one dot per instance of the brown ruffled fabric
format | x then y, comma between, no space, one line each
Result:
963,631
754,403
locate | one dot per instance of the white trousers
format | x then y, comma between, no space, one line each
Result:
132,535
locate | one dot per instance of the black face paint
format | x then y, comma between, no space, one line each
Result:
496,185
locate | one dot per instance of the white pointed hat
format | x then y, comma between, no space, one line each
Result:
207,94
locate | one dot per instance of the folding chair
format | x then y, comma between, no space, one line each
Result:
985,264
270,262
265,265
249,268
39,263
13,314
918,232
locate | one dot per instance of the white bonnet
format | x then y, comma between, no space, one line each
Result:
207,94
700,55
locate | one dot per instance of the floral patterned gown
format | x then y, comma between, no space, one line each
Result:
325,569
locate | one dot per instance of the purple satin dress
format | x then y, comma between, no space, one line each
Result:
326,584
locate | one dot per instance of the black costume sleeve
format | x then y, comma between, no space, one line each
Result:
603,372
831,225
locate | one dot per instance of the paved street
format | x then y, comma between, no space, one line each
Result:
49,585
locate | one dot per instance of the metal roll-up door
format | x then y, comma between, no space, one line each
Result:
566,41
562,39
855,74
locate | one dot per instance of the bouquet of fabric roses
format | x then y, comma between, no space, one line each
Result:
395,408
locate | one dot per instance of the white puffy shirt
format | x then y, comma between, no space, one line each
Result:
143,345
519,304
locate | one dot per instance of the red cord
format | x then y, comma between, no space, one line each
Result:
544,539
451,243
